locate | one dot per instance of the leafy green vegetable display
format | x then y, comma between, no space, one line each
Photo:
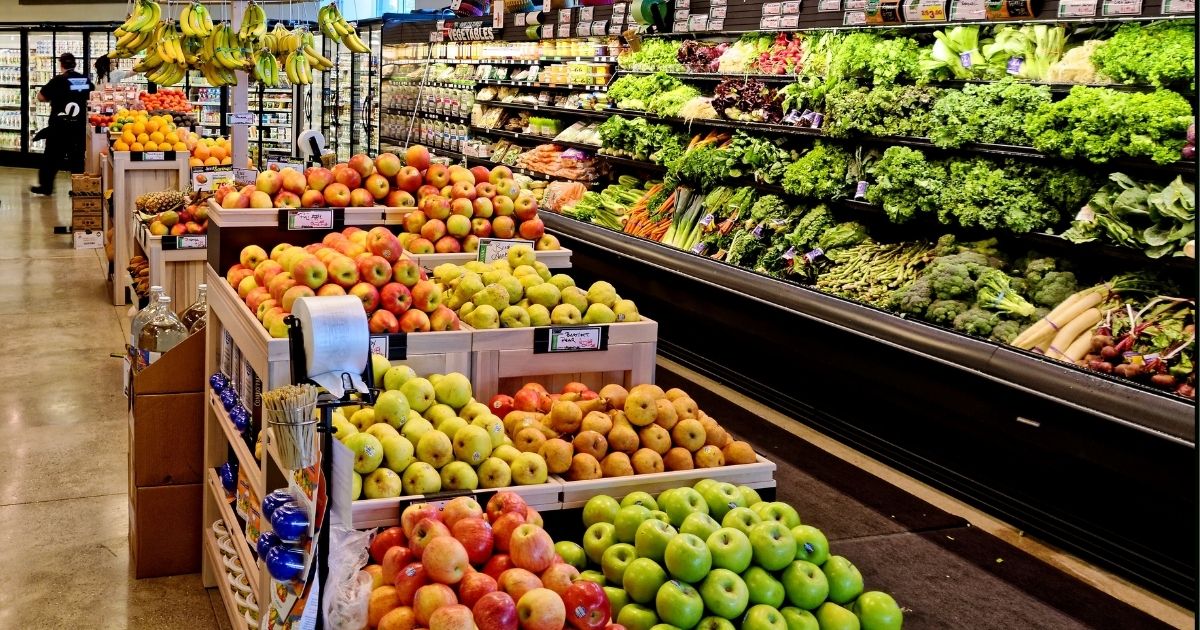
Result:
988,113
634,91
654,55
906,184
1159,54
1139,214
902,110
638,139
1100,124
819,174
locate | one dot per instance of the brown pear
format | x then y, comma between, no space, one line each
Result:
616,465
614,395
565,416
715,434
529,439
623,438
594,404
739,453
584,467
685,408
641,408
709,457
689,434
525,418
678,458
675,393
655,391
597,421
655,438
646,461
667,416
592,443
558,454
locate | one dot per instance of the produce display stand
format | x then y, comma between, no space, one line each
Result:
133,174
177,263
553,258
95,145
759,475
505,358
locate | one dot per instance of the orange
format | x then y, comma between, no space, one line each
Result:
227,160
143,138
157,136
151,146
128,138
121,145
219,152
201,152
152,125
172,137
137,146
139,127
212,161
192,161
179,146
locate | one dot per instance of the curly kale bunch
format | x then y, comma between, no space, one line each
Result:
905,183
988,112
902,110
819,174
1160,54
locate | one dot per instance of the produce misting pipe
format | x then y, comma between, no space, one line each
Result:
239,99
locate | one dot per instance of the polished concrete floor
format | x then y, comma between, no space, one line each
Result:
64,436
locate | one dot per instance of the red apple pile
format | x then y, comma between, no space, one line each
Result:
361,182
465,567
396,293
457,206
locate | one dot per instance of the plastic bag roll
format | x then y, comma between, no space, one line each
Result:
336,340
531,32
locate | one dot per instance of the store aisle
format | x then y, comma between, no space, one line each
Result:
64,436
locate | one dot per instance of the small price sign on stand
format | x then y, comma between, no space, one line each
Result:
315,219
493,249
394,346
239,118
190,241
551,339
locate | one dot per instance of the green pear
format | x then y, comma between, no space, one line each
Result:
447,272
392,407
565,315
514,317
502,265
575,297
439,413
492,276
415,428
599,314
545,294
521,255
469,284
397,376
475,266
465,310
561,280
342,428
454,390
525,270
530,280
602,292
495,296
484,317
419,392
538,315
379,367
542,270
626,311
515,289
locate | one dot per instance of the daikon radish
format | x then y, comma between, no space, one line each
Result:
1070,332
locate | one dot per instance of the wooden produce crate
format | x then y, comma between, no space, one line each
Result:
368,513
506,358
134,174
758,475
177,263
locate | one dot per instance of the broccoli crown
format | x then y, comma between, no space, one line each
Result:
914,299
1055,287
976,321
944,311
1006,331
1036,268
949,280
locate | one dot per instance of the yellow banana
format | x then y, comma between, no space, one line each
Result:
325,20
185,21
355,44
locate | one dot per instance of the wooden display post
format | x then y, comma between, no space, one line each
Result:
133,175
95,143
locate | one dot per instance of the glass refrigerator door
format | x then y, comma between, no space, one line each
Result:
343,98
274,131
367,97
41,70
206,105
10,91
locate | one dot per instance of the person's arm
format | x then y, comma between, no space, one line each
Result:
42,95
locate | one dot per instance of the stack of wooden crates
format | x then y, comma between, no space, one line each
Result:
86,208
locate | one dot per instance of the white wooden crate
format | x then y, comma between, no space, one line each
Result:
757,475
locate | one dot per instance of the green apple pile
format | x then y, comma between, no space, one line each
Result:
519,291
718,557
426,435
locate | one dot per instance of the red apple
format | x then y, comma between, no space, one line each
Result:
384,540
424,533
427,295
395,559
417,157
433,229
420,246
445,191
256,297
337,195
503,206
310,272
482,207
280,284
415,513
443,318
437,175
383,322
362,164
559,576
587,605
331,290
461,174
508,187
447,245
497,565
406,271
361,198
460,508
343,271
429,598
414,320
409,179
503,503
534,517
377,185
268,182
399,199
312,199
368,294
438,207
388,164
495,611
427,190
445,558
409,580
527,399
293,181
382,243
481,174
516,582
474,586
265,271
395,298
481,228
501,405
462,190
414,221
525,206
532,229
531,548
462,206
541,609
503,529
375,270
347,177
287,199
318,178
503,227
456,617
476,536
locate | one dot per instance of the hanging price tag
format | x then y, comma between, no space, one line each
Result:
310,219
789,8
829,6
1121,7
769,23
697,23
771,8
967,10
239,118
209,178
789,21
493,249
716,13
154,156
1178,6
598,28
585,14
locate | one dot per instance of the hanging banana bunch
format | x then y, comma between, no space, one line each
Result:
308,46
254,24
196,21
149,62
227,51
266,67
170,48
137,33
167,74
335,27
297,68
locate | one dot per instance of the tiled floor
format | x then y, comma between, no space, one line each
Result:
63,438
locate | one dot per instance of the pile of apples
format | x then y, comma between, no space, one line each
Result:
457,206
358,183
717,557
519,291
396,293
464,567
426,435
583,434
193,219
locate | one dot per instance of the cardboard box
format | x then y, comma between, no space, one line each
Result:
164,530
179,370
87,239
87,224
166,439
85,184
85,204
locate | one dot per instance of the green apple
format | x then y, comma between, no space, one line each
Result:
571,553
681,503
421,478
830,616
420,394
805,584
459,476
764,588
722,497
396,376
342,428
764,617
415,428
472,444
703,484
845,582
660,515
397,452
652,537
379,366
640,498
392,407
616,561
600,509
878,611
368,452
798,619
382,483
777,511
592,576
637,617
741,518
774,547
434,448
750,495
381,430
439,413
453,389
811,544
687,558
597,538
363,418
699,524
724,593
617,599
627,521
642,579
714,623
355,486
679,604
730,549
493,425
494,473
664,626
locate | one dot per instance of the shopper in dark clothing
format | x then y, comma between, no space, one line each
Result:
67,94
